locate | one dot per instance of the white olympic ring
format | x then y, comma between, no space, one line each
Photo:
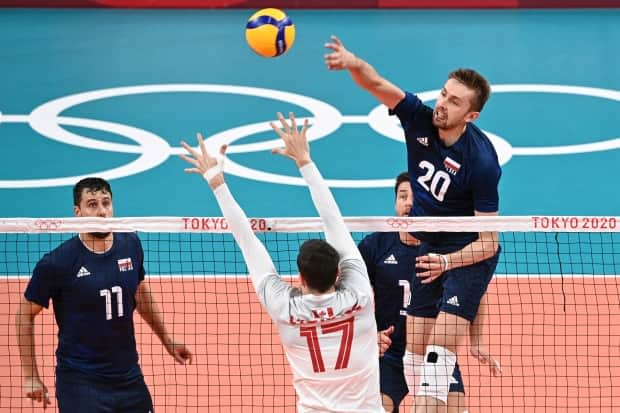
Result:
154,150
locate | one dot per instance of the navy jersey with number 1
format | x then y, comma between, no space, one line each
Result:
391,266
94,300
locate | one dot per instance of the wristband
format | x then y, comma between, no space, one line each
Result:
215,169
445,262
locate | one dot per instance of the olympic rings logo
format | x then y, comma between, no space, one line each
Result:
47,224
398,223
153,150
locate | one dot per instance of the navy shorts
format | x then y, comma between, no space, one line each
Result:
457,291
78,393
392,377
459,386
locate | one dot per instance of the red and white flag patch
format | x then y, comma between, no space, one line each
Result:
451,165
125,264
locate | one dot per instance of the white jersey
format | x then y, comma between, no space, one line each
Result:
330,340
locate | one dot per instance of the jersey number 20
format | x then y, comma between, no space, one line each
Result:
436,183
344,353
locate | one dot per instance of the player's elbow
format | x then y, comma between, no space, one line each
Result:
490,244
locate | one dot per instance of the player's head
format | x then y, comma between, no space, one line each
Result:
404,195
461,99
317,263
92,197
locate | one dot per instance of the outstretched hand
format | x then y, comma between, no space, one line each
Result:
211,167
340,58
295,142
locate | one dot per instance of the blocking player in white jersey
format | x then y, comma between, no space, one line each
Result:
327,326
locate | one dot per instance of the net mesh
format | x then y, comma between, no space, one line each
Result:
553,318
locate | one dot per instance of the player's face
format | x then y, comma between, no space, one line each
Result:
453,107
95,204
404,199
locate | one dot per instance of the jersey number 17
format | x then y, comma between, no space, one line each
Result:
311,334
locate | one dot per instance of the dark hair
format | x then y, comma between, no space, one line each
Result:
317,263
402,177
92,185
476,82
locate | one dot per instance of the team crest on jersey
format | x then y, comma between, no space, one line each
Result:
423,140
125,264
451,165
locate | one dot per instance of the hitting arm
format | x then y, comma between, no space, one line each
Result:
363,74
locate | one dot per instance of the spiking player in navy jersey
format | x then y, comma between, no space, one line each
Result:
455,172
95,281
390,259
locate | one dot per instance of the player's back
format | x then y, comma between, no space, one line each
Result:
330,341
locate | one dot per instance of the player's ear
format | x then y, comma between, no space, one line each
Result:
302,279
76,211
472,116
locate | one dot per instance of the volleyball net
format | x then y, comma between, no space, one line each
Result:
553,318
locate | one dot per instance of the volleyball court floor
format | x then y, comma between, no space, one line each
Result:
136,82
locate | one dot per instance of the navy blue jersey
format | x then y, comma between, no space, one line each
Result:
447,181
391,266
94,300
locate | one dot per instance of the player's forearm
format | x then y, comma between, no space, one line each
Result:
24,325
254,252
151,313
365,75
369,79
336,232
475,328
483,248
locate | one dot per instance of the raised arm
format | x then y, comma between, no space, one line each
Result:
296,147
254,252
363,74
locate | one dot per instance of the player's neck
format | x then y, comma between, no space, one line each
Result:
450,136
408,239
306,290
95,244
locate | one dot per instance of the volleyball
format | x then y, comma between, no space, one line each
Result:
270,32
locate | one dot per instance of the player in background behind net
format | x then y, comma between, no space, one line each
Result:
327,326
454,171
390,259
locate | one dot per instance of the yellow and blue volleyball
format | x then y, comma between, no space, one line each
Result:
270,32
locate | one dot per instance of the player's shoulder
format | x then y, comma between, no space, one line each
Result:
410,104
481,148
63,253
379,240
127,239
